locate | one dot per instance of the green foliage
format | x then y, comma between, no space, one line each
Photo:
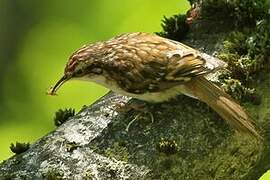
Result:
174,27
167,146
259,41
61,116
19,148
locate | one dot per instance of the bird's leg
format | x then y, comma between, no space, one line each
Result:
133,120
141,108
142,111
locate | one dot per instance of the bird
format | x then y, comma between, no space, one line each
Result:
155,69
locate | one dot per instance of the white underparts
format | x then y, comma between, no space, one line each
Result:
165,95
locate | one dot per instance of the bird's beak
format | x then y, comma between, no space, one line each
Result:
59,83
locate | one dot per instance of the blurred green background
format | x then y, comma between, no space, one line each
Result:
36,39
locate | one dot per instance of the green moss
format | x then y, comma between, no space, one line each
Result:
246,53
240,92
174,27
167,146
8,177
53,174
118,152
239,12
61,116
19,148
236,43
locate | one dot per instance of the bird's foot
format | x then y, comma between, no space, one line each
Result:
141,110
138,116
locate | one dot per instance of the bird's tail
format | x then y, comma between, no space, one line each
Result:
224,105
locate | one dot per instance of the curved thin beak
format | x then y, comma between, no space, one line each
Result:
59,83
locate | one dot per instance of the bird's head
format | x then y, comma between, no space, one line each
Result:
83,64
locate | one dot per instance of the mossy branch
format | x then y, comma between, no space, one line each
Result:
187,140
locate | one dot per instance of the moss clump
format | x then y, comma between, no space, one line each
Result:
174,27
19,148
241,53
167,146
240,92
53,174
246,53
118,151
61,116
239,12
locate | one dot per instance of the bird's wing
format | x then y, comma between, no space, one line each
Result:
149,63
186,63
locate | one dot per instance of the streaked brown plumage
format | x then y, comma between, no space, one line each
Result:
155,69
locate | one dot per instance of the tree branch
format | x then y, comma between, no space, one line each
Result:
187,140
